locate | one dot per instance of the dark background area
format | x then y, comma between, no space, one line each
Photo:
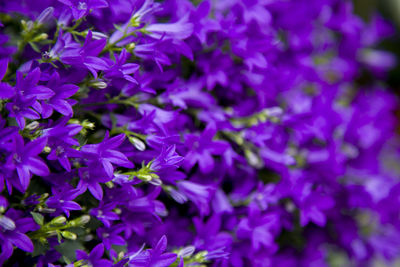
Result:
389,9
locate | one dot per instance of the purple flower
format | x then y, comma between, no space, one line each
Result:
313,205
181,29
199,194
58,101
110,236
86,56
260,229
81,8
209,237
104,213
25,160
154,256
13,228
166,164
120,69
60,140
91,179
104,154
62,199
24,102
202,148
95,258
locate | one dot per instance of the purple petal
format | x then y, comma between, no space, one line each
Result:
206,162
164,260
38,167
67,90
35,147
99,4
96,63
116,141
97,252
108,167
24,176
41,92
130,68
71,205
33,77
161,245
20,240
62,106
103,263
6,91
6,251
64,161
218,147
96,190
117,158
81,255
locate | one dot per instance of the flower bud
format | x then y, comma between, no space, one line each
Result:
134,21
177,196
131,46
155,181
88,125
84,219
110,184
98,84
145,177
46,210
69,235
186,251
137,143
58,220
253,159
45,16
40,37
32,126
27,26
6,223
274,111
80,221
98,35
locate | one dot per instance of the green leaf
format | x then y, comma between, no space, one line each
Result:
68,248
59,237
40,248
34,47
39,219
118,27
113,120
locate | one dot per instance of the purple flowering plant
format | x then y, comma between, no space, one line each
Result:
196,133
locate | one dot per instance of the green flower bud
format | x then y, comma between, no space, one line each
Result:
69,235
40,37
79,221
145,177
130,47
32,126
98,84
58,220
137,143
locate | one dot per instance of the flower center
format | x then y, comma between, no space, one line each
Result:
17,158
82,6
60,150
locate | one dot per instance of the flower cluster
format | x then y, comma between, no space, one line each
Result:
193,133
